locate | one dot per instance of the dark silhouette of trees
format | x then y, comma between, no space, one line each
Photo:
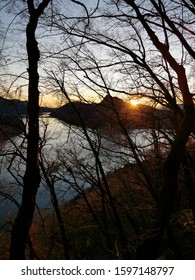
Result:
132,49
177,151
20,231
141,38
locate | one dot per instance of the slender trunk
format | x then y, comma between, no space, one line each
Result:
55,203
21,227
32,175
65,242
122,239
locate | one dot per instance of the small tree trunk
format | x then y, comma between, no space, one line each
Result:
21,227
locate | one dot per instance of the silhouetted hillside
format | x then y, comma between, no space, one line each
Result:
75,113
12,107
112,114
11,112
15,107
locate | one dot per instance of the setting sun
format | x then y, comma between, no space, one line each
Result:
134,102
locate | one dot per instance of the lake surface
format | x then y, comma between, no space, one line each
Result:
65,150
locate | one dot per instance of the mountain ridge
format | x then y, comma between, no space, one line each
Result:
111,114
16,107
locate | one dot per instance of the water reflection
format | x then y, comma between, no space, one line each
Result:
65,151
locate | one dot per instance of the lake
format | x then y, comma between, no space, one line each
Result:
65,150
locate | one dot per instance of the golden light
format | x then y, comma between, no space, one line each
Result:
134,102
48,100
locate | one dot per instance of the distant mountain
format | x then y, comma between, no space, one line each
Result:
15,107
112,114
10,117
75,113
12,107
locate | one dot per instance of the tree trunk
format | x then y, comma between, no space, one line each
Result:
172,166
175,157
21,227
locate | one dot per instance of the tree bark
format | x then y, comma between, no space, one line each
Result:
21,227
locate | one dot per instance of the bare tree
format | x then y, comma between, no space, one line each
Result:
24,218
124,48
141,43
176,154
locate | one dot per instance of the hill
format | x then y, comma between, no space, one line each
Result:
15,107
112,114
76,112
11,112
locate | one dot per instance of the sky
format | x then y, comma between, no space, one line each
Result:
14,52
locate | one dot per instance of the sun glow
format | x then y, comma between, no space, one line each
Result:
134,102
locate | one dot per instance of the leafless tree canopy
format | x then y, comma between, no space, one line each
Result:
124,70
